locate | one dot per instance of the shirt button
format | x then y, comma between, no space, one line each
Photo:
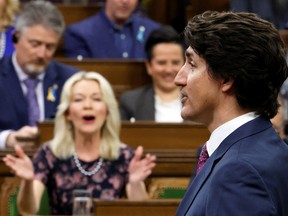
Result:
122,36
125,55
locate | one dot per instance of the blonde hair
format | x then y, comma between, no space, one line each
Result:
10,12
62,145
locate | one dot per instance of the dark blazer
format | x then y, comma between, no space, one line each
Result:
138,103
94,38
14,107
246,175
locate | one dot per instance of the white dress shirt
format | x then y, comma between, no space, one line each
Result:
223,131
167,111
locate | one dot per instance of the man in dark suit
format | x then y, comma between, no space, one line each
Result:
235,66
37,32
115,32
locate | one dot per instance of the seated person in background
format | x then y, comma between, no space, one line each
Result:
8,11
115,32
274,11
85,153
159,101
37,32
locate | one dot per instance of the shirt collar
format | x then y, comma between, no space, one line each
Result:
114,25
224,130
20,73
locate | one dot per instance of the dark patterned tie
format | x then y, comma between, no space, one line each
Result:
33,106
202,158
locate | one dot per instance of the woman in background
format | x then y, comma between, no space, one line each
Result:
8,12
85,153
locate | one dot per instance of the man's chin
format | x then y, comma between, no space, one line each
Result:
34,70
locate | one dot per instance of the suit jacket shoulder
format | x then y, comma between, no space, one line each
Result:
138,103
246,175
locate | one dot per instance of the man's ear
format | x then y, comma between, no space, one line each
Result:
15,37
227,84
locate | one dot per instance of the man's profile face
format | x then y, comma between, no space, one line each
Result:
35,47
200,92
119,11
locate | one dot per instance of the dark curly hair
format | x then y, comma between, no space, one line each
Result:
164,34
244,48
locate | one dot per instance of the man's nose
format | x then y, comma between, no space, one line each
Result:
180,78
41,51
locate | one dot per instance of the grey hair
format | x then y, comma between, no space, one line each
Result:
40,12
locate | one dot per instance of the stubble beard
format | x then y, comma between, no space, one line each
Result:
33,70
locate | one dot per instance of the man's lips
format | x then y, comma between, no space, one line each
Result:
184,98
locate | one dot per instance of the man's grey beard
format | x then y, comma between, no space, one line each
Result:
32,70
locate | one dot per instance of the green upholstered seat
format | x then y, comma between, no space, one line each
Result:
172,193
13,210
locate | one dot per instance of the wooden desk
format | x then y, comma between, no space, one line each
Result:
73,13
174,144
198,6
284,35
122,74
124,207
76,12
150,134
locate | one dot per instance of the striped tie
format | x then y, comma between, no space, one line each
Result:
33,106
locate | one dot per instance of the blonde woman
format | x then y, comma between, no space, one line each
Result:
8,12
85,153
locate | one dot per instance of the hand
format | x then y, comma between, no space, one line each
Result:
22,165
139,168
24,132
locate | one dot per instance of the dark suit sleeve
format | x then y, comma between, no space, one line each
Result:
74,43
125,110
237,189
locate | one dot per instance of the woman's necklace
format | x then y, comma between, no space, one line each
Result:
2,43
84,172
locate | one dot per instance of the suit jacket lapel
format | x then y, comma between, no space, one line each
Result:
50,84
252,127
14,89
195,186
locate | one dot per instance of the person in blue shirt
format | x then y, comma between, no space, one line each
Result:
8,11
115,32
